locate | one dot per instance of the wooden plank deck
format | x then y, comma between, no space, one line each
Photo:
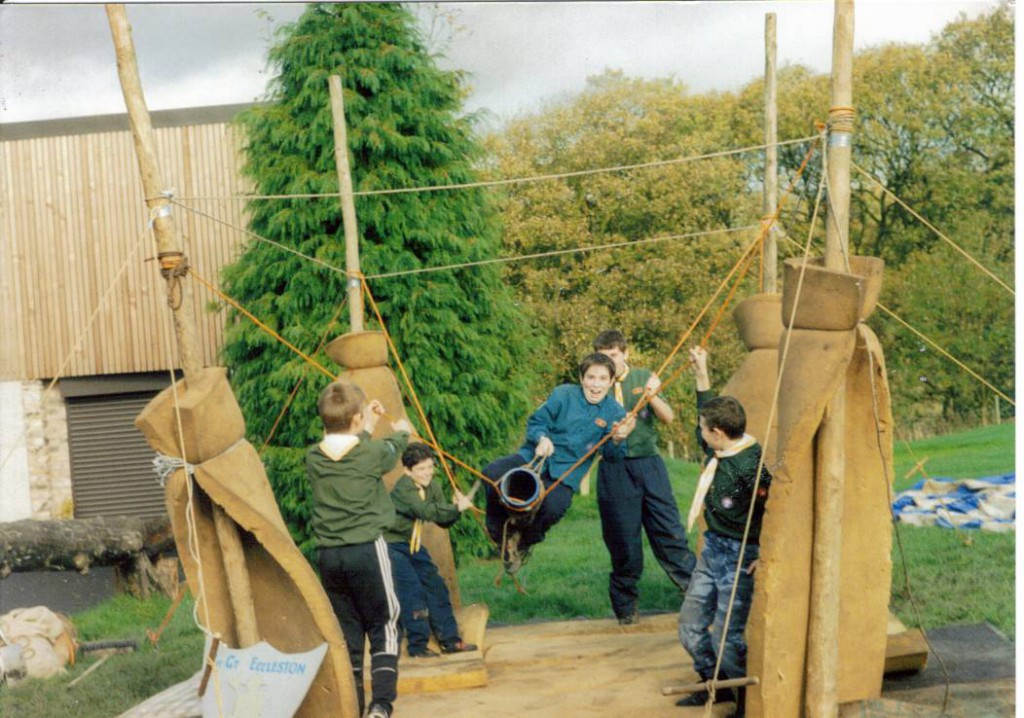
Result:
547,670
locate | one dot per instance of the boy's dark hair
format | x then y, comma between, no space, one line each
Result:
725,413
594,359
610,339
339,402
416,453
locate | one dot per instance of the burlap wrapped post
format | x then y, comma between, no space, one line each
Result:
211,419
293,613
828,347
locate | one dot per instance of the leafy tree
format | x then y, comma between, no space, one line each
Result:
652,291
934,125
463,340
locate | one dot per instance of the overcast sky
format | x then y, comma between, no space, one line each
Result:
58,60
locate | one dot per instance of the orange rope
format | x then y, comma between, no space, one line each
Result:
405,375
745,261
295,390
261,325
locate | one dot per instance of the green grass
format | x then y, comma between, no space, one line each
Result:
124,680
956,577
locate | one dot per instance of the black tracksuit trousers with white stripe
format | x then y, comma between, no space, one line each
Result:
358,582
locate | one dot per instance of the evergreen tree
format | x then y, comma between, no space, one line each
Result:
463,341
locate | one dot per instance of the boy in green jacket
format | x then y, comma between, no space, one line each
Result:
351,509
426,604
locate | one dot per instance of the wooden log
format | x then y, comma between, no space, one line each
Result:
348,207
30,545
706,685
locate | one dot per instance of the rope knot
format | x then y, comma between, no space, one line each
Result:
841,119
173,266
165,465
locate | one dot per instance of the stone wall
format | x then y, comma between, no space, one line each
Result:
49,460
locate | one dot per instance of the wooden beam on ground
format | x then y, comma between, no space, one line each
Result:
706,685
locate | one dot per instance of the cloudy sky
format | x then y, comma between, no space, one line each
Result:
58,61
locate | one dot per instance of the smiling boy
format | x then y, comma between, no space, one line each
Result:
570,423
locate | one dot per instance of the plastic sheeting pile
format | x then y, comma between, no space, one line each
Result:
988,503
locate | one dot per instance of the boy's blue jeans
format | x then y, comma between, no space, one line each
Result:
423,596
706,602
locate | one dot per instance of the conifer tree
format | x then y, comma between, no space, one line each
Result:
459,334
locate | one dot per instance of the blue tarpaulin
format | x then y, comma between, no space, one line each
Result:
988,503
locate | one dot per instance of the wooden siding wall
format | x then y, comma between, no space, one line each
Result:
71,211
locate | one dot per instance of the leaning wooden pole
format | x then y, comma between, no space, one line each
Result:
165,229
174,268
771,156
348,207
823,625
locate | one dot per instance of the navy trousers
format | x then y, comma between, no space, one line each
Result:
423,594
635,494
358,582
531,526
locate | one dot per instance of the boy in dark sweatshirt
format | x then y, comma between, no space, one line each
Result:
426,605
725,491
351,509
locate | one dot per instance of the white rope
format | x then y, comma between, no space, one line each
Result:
165,465
510,180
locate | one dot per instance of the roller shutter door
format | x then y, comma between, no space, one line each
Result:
111,464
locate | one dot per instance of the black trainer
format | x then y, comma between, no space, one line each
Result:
378,711
458,646
723,695
630,619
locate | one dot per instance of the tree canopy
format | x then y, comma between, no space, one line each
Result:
934,126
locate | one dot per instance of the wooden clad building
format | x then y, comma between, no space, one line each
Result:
81,300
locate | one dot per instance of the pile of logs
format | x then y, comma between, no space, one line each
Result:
141,550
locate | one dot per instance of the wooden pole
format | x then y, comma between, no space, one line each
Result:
165,230
168,244
348,207
823,626
771,155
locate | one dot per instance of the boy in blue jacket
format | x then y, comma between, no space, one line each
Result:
573,419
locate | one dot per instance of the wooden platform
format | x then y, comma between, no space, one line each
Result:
547,670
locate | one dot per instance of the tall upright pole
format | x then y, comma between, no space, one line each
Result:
823,627
771,155
165,230
348,207
172,265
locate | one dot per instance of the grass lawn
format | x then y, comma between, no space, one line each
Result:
955,577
